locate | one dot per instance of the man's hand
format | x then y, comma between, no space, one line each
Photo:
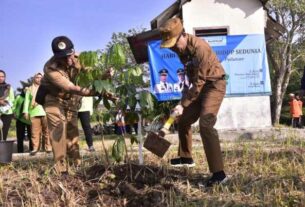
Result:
178,110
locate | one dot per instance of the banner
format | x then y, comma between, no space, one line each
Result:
242,56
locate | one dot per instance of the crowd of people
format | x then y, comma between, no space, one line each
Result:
31,120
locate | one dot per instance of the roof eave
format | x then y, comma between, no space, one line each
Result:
174,10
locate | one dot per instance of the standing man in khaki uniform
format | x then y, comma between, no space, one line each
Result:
62,101
202,100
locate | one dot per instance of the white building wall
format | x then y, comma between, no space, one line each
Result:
240,17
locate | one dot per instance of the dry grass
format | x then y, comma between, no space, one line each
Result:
262,173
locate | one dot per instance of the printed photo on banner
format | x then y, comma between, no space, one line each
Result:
167,73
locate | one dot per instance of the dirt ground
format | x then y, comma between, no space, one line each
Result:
263,171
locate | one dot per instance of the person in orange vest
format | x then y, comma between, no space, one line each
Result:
297,97
120,121
295,110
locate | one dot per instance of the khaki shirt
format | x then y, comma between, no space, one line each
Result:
57,78
201,65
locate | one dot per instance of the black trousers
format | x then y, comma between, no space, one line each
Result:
296,122
129,128
21,128
84,118
6,119
135,127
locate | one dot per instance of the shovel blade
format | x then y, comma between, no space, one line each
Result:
156,144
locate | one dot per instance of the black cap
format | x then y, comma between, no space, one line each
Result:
163,71
62,46
180,71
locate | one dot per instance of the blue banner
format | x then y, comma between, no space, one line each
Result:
242,56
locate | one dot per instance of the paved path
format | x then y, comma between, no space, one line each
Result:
231,135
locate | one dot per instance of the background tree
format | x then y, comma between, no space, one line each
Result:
285,52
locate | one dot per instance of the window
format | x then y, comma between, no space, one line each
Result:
206,32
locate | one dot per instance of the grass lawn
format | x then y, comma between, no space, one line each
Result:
262,173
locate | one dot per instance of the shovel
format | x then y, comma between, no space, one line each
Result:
155,142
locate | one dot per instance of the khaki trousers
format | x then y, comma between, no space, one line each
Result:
63,129
40,129
205,108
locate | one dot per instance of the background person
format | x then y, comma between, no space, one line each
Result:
35,112
84,114
297,97
202,100
163,86
6,104
295,111
120,123
23,126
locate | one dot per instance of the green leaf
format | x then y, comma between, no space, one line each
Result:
103,86
121,146
108,87
136,71
84,79
122,90
106,117
132,101
133,139
98,86
116,56
103,59
146,100
118,149
115,154
89,58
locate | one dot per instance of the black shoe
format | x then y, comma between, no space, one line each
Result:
182,162
216,181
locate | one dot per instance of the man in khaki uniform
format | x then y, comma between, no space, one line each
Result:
62,101
202,100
